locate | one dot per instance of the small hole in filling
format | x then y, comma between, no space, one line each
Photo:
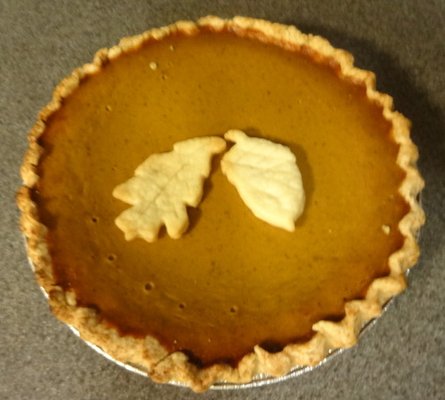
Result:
111,257
94,219
181,306
233,309
149,286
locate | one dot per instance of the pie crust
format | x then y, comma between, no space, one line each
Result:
147,353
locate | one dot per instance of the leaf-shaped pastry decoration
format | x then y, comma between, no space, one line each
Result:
267,178
163,185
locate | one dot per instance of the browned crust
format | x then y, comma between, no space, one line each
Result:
147,353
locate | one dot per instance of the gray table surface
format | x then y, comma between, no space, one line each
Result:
401,357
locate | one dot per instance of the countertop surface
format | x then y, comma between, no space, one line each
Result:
401,357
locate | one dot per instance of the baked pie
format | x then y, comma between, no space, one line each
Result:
233,297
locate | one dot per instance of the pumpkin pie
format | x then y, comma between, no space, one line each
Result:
234,297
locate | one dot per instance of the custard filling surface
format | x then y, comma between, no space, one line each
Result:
232,281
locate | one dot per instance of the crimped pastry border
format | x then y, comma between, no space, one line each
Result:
147,353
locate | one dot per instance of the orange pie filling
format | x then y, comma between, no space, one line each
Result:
232,281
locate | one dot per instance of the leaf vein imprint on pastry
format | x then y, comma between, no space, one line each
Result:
163,186
267,178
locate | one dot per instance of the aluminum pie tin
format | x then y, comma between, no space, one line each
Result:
257,381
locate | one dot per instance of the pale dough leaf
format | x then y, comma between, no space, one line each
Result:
267,178
163,185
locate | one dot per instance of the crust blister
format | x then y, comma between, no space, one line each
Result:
147,353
